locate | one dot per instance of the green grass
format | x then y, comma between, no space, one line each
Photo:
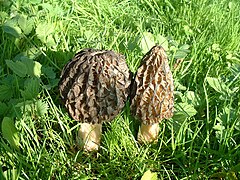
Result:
37,137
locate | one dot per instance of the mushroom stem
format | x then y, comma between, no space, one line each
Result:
89,136
148,133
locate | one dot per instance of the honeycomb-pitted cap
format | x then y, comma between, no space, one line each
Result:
152,89
94,85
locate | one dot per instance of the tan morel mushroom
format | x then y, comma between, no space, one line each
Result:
94,87
152,93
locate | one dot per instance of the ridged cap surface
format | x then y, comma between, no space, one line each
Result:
152,89
94,85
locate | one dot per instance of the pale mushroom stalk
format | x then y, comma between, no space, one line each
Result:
89,136
148,133
94,87
152,94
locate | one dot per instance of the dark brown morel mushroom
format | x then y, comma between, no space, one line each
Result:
94,87
152,93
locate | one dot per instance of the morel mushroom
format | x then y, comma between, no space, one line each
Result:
152,93
94,87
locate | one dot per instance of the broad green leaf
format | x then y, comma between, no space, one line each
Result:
10,80
52,83
29,64
41,108
33,52
20,57
48,71
52,10
192,98
25,106
47,6
3,108
180,54
147,42
11,27
184,110
17,67
37,69
188,109
31,88
6,92
50,41
180,116
217,84
185,47
33,67
148,175
26,24
13,30
162,41
10,132
43,30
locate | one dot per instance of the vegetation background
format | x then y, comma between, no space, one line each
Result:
37,137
